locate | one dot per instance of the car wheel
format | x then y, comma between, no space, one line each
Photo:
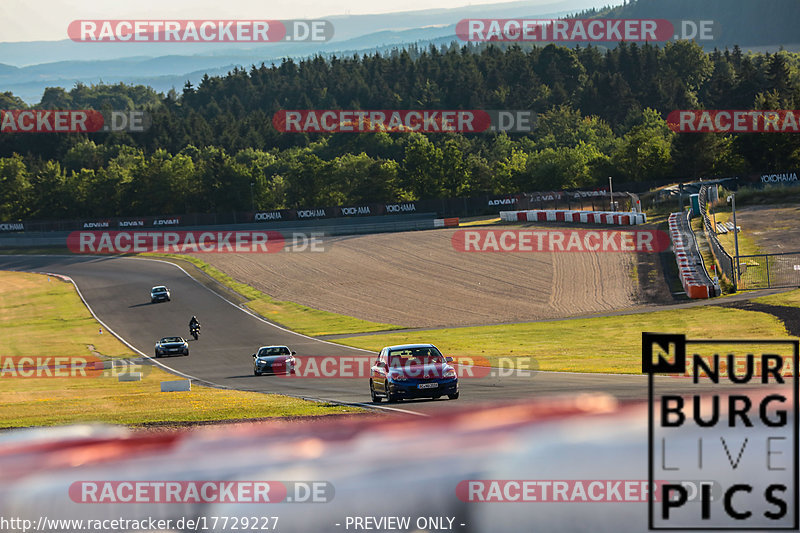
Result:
390,398
453,396
256,372
375,397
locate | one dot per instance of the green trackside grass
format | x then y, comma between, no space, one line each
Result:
40,317
604,344
480,221
51,321
296,317
788,299
747,245
656,218
767,196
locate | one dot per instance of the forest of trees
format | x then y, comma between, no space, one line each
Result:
601,113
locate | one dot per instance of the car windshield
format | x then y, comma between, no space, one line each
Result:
160,289
172,339
273,350
415,356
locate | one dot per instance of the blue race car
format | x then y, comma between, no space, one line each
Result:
412,371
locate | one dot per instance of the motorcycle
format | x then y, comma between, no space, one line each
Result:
194,331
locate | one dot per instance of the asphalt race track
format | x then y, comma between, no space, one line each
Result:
118,291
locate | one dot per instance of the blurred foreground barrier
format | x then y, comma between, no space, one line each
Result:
476,469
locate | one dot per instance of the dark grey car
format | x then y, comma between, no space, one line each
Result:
172,346
273,360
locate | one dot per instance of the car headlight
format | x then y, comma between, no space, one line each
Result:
450,373
397,377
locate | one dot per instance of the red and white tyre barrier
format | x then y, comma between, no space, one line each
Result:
690,266
612,218
445,222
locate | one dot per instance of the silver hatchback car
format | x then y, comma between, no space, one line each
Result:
159,293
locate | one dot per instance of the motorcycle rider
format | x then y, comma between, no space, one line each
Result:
194,323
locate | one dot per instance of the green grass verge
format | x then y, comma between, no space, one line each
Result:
49,320
770,195
480,221
294,316
604,344
747,246
52,321
787,299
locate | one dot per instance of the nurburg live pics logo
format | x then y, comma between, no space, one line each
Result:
736,423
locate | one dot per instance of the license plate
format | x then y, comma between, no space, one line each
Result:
428,385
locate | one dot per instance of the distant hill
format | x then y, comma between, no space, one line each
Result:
763,25
747,23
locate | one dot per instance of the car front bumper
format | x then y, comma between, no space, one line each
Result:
172,351
412,390
274,369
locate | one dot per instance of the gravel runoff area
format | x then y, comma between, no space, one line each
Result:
775,229
417,279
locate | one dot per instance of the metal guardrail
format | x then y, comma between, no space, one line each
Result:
442,207
695,248
691,269
723,258
390,224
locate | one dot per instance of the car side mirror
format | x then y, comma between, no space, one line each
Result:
254,355
381,364
448,359
294,353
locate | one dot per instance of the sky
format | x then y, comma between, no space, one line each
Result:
47,20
